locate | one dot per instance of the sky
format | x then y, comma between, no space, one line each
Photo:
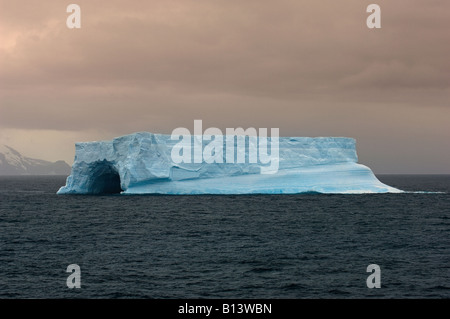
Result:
309,68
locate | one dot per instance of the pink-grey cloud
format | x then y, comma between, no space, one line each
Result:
308,67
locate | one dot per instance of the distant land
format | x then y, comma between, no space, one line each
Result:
13,163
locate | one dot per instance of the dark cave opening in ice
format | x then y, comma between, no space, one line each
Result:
105,179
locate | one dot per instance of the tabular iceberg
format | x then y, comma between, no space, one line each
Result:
142,163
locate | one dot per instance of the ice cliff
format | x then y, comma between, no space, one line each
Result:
142,163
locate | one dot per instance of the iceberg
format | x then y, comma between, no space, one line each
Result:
143,163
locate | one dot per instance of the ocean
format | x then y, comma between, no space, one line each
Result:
245,246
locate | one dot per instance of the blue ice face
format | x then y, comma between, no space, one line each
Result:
143,163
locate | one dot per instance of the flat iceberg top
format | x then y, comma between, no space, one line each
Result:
147,163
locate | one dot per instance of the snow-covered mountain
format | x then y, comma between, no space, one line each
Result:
13,163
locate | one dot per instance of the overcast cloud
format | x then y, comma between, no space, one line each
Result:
311,68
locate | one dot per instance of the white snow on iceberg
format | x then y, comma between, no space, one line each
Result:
141,163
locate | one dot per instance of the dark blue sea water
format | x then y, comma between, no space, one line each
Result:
258,246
